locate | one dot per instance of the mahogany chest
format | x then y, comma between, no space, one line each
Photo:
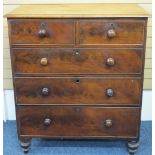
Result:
78,71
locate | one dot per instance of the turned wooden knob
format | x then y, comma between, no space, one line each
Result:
111,33
45,91
109,92
47,121
43,61
42,33
110,62
108,123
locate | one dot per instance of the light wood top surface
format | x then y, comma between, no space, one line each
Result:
78,10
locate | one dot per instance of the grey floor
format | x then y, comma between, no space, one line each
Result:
73,147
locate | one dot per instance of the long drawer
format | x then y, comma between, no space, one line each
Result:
77,61
76,121
77,90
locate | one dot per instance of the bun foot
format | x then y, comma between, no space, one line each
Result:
25,145
133,147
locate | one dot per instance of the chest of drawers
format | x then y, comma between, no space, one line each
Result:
78,71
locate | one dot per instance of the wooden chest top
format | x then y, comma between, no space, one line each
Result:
78,11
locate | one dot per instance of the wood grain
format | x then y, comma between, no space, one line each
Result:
7,74
5,24
8,83
78,10
5,32
95,31
77,61
148,44
75,121
148,54
25,31
85,91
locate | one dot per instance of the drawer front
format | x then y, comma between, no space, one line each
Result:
77,61
119,91
72,121
97,32
41,31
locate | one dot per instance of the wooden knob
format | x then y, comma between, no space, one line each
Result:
45,91
43,61
108,123
111,33
42,33
47,121
109,92
110,62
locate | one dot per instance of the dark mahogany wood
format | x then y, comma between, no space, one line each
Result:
77,61
78,78
70,121
29,31
96,32
77,91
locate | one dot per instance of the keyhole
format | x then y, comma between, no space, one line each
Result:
77,53
78,109
77,81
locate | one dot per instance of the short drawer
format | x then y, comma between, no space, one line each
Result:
77,61
41,31
111,31
76,121
61,90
